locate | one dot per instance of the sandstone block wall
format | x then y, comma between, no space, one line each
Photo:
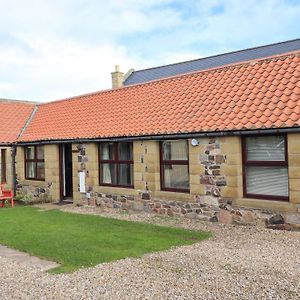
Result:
39,191
294,167
232,169
205,161
215,168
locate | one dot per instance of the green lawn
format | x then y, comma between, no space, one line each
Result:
76,241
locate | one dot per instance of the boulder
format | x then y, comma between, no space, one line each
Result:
170,212
191,215
208,200
203,218
137,207
213,219
147,209
249,218
224,216
276,219
226,206
292,218
126,206
236,219
92,202
198,211
183,211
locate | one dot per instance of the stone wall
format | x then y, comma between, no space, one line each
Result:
85,160
215,167
206,177
212,178
294,167
39,191
142,202
224,212
146,172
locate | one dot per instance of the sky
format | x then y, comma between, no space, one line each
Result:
54,49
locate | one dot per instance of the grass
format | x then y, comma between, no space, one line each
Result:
76,241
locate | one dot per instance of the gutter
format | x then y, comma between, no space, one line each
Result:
167,136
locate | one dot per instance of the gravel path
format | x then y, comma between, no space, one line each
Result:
237,263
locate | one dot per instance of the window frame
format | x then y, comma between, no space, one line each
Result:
163,162
261,163
117,162
34,160
3,166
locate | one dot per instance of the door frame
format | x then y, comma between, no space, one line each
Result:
65,174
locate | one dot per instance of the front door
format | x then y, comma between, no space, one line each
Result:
66,174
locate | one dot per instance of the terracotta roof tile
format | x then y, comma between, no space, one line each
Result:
252,95
13,115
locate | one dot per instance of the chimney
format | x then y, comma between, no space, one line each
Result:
117,78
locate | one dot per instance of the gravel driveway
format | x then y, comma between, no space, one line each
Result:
237,263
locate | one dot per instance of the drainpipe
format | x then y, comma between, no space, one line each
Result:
13,159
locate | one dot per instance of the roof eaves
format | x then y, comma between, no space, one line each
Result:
166,136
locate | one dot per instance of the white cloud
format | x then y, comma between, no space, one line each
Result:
60,48
60,69
5,86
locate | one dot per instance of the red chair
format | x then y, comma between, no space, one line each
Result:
6,195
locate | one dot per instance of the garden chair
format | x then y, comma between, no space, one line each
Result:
6,195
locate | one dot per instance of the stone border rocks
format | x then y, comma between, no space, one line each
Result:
204,208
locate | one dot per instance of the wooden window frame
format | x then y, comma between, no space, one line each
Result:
165,162
34,160
261,163
115,161
3,166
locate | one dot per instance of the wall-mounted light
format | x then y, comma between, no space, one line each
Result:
194,142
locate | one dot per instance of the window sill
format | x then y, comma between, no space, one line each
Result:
176,190
115,190
39,183
117,186
267,198
168,195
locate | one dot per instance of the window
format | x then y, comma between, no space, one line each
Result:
265,167
34,163
174,166
3,165
116,164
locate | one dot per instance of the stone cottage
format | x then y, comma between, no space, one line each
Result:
223,128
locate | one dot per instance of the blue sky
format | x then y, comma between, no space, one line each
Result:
60,48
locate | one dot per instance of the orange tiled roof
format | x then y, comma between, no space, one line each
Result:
13,117
253,95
